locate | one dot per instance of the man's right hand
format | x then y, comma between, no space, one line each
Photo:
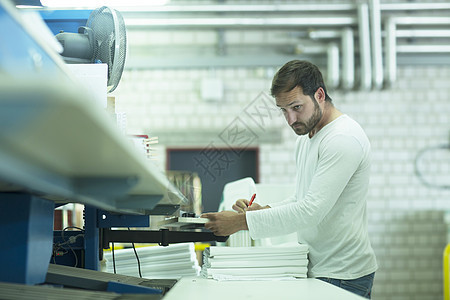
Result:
241,206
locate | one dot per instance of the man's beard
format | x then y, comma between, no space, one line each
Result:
304,128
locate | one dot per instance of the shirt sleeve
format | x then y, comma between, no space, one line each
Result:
284,202
339,158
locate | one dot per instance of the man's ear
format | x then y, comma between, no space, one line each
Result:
320,95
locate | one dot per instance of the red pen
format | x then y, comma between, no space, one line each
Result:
251,200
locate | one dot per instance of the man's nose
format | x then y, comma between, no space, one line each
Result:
290,117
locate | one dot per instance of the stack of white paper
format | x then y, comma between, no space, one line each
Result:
247,263
171,262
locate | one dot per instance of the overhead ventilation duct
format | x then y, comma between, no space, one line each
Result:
364,47
346,37
239,8
227,22
348,59
393,33
377,55
390,52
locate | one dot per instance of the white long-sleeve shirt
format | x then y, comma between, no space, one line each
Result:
328,209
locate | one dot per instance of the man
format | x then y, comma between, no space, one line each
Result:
328,209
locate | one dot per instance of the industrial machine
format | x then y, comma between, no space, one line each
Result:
59,147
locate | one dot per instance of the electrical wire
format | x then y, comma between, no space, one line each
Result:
137,258
71,241
67,243
56,249
419,173
114,259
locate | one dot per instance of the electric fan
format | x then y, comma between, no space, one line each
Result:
102,40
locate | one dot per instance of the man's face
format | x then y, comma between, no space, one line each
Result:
301,112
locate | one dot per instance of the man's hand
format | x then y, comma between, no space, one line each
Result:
225,222
241,206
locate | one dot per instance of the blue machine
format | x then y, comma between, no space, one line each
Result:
26,220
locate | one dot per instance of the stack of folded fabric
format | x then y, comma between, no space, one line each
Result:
171,262
248,263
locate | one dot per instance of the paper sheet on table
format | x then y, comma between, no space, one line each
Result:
222,277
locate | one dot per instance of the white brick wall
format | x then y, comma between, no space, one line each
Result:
405,217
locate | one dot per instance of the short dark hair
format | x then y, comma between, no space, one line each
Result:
299,73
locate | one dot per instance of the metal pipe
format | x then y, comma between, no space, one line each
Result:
364,46
370,38
324,34
414,6
348,59
262,8
423,48
225,8
311,49
332,51
347,44
224,22
377,53
390,51
333,65
392,33
422,33
422,20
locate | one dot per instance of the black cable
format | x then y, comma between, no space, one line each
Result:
74,254
73,227
54,254
67,243
137,258
69,227
418,171
114,260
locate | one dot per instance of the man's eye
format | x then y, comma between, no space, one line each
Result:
297,107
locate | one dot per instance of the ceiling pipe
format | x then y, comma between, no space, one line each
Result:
422,20
346,37
422,33
348,59
423,48
269,8
370,39
377,53
414,6
333,63
392,33
364,46
224,22
324,34
230,8
390,51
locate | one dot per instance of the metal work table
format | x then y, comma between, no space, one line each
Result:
308,289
